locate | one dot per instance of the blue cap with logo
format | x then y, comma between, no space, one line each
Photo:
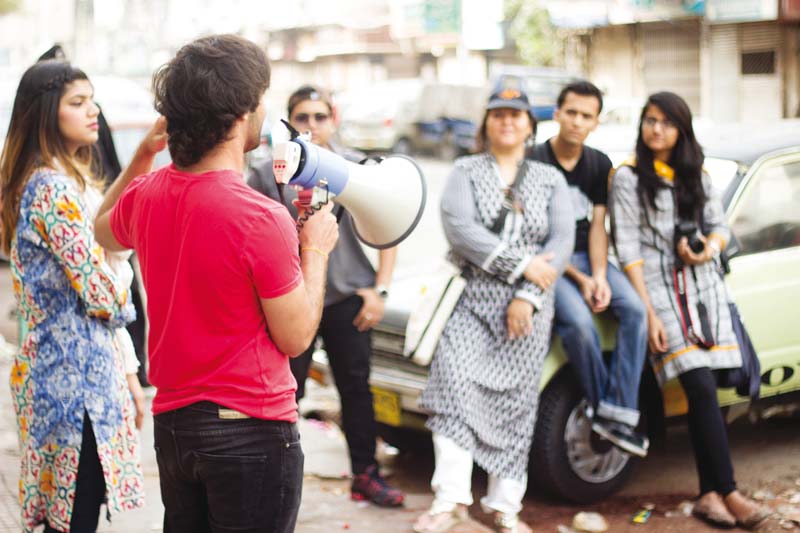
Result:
509,94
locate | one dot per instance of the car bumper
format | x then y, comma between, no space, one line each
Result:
396,384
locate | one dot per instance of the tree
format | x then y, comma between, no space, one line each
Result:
538,41
7,6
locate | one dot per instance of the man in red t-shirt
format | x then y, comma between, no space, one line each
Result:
230,299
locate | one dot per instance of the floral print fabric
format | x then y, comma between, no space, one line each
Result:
68,363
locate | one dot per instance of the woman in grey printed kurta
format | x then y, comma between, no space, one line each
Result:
644,236
484,380
663,186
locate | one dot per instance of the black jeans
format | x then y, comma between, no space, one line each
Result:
708,432
349,353
221,475
90,487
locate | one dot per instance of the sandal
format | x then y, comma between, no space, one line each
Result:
755,520
510,523
755,515
440,518
714,517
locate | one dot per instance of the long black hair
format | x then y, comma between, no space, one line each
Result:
686,158
34,138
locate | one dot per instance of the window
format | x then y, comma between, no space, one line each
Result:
758,63
769,214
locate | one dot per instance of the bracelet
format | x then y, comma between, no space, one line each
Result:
315,250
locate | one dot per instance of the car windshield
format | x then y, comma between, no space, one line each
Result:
722,172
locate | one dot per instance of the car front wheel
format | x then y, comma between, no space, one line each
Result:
567,458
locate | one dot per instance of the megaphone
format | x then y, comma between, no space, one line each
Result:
386,200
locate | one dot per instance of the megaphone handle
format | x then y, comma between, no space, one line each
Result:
280,193
305,200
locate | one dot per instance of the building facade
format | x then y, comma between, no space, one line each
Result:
732,60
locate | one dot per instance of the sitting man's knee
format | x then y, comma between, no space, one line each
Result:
634,310
580,324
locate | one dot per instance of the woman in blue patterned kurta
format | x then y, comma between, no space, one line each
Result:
74,411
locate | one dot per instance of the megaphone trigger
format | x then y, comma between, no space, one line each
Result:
309,201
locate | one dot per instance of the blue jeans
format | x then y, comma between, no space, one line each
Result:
613,391
224,475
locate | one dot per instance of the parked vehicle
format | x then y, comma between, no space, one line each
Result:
541,84
759,170
410,116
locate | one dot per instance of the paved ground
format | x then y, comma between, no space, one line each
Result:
766,456
326,503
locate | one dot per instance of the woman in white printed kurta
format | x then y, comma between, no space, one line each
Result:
483,387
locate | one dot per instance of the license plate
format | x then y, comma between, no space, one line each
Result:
387,406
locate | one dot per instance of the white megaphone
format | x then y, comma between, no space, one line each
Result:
386,200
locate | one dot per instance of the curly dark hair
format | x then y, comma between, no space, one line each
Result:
208,85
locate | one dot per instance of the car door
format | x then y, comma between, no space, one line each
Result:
765,272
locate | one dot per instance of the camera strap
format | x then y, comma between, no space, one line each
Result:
703,339
508,200
685,315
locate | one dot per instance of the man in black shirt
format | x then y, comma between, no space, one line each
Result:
590,284
354,303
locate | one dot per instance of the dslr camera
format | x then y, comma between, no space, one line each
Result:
689,229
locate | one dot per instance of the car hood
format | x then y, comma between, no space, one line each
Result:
405,295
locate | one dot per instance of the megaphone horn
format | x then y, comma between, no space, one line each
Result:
386,200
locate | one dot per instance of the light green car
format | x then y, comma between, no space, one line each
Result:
760,171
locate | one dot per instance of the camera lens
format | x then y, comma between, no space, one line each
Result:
696,244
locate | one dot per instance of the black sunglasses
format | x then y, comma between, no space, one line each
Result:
303,118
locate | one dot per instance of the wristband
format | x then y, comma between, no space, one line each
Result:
315,250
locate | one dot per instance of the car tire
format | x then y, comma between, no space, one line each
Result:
567,459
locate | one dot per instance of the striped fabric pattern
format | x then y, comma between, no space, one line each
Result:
643,235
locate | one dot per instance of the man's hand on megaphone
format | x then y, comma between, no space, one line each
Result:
320,230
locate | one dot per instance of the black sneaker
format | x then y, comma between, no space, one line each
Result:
370,486
622,436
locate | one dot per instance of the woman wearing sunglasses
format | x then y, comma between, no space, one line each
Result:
669,229
354,303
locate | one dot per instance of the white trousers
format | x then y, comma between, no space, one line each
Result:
452,481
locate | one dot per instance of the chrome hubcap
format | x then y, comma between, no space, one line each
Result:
594,460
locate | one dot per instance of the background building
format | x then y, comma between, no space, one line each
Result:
730,59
